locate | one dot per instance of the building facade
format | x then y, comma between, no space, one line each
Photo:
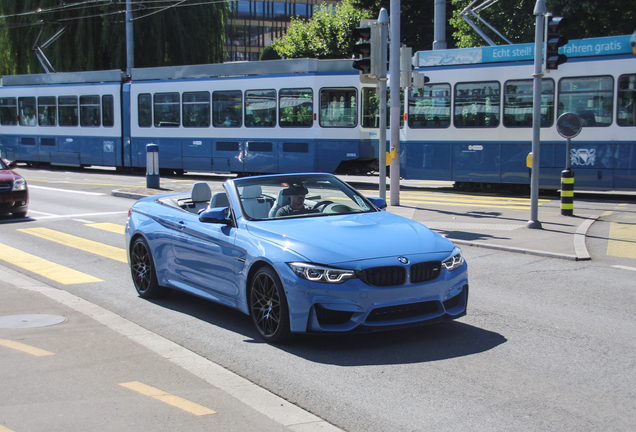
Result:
254,24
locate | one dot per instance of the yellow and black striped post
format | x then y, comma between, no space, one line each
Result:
567,192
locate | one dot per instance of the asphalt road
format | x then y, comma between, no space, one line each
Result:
547,344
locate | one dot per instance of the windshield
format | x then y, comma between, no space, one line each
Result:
293,196
3,165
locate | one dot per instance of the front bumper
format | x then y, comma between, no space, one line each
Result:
356,306
14,202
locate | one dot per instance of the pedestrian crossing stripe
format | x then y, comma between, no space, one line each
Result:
622,240
45,268
101,249
107,226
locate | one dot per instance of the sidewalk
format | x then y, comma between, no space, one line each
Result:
69,365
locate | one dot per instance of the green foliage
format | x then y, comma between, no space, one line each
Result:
417,27
95,37
328,35
515,20
269,53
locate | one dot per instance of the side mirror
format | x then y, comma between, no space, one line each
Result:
220,215
12,165
378,202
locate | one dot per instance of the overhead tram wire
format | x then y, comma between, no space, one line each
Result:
142,5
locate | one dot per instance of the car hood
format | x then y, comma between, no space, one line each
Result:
344,238
8,175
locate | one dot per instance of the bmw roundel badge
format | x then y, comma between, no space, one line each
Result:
403,260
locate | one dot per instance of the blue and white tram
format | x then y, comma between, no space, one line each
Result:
219,118
472,123
265,117
68,119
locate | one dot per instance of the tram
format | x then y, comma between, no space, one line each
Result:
471,123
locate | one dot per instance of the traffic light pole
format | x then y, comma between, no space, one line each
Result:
383,22
395,103
539,12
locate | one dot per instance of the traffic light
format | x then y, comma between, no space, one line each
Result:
419,79
366,48
554,41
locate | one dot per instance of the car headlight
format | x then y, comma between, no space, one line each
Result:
316,273
19,185
454,260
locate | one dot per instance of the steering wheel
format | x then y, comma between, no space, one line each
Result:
322,203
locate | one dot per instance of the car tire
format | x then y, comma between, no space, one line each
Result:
268,306
142,268
19,215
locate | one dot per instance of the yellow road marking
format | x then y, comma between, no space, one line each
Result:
173,400
436,196
115,253
107,226
622,240
4,429
465,204
48,269
25,348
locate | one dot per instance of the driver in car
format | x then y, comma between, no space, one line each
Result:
296,206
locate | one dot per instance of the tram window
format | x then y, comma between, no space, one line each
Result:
47,111
592,98
8,111
196,109
518,103
108,110
626,114
296,107
371,108
430,106
144,110
166,110
256,146
67,110
260,108
338,107
477,104
26,106
90,115
226,108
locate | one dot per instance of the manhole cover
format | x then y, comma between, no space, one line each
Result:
30,321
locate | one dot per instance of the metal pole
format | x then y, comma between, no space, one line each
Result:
130,45
439,33
383,22
395,102
539,11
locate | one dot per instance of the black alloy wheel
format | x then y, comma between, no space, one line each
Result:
268,306
143,271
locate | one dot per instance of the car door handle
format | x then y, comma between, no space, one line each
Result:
181,225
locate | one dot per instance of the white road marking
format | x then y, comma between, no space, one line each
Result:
65,190
73,216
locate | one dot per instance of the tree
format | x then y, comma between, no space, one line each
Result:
327,35
94,38
515,20
417,26
269,53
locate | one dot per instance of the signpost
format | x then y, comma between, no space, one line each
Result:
568,126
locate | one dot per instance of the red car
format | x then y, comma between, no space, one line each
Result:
14,195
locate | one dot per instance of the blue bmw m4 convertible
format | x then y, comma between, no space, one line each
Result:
298,253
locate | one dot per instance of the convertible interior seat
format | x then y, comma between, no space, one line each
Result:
254,203
281,201
200,197
219,199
